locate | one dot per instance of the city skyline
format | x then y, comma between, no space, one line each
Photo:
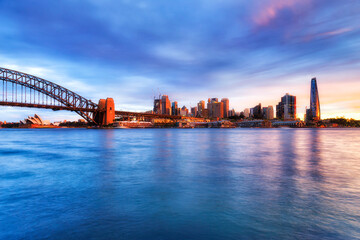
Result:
245,51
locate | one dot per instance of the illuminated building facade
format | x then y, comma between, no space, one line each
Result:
201,108
194,111
158,106
225,102
314,101
184,111
218,110
286,109
257,112
174,109
268,112
166,107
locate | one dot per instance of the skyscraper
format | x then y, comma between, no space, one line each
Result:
157,106
201,107
268,112
166,108
286,109
184,111
209,108
247,112
257,112
174,109
218,110
225,102
194,111
314,101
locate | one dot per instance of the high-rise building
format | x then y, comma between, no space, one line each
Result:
286,109
246,112
264,110
268,112
280,111
257,112
184,111
174,108
206,113
201,107
314,101
231,113
157,106
209,108
194,111
218,110
166,107
225,102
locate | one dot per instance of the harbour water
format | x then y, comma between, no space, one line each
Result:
180,184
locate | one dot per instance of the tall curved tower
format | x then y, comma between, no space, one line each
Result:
314,101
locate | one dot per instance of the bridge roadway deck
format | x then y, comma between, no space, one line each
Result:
53,107
117,113
145,115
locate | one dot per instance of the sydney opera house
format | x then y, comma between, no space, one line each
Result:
36,120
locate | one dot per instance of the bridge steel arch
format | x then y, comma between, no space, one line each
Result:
68,99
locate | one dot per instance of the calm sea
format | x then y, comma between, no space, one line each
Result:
180,184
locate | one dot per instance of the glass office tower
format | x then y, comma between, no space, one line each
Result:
314,101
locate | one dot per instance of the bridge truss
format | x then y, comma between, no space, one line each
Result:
24,90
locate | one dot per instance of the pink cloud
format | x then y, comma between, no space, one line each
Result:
270,9
327,34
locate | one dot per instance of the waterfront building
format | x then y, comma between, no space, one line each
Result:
231,113
264,109
225,102
194,111
166,107
251,112
218,110
246,112
314,111
184,111
257,112
201,107
174,108
280,111
209,108
157,106
268,112
205,113
35,120
286,108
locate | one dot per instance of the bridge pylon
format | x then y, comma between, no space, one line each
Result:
105,114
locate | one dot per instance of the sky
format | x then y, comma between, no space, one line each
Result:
131,50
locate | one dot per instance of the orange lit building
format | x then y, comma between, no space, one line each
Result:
166,105
201,107
225,102
218,110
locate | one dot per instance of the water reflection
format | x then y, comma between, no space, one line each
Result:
181,184
315,155
288,166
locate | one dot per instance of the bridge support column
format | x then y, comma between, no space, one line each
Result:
106,112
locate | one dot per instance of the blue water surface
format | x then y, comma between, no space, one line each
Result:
180,184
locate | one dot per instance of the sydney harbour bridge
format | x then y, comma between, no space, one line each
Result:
24,90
